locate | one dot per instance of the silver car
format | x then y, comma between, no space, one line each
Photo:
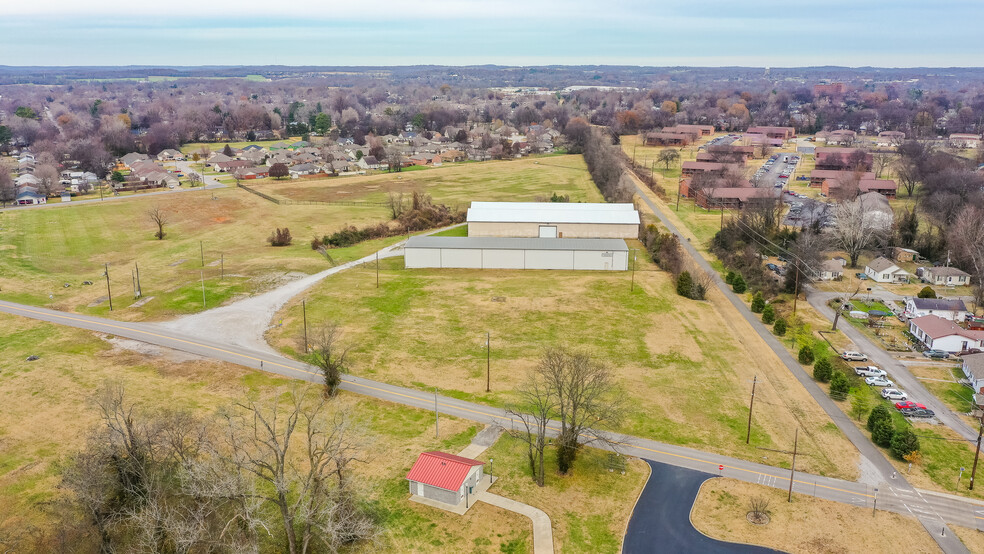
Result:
878,381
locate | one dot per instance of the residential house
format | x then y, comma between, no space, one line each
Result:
734,198
369,162
973,370
889,138
831,270
133,157
904,254
170,154
883,270
843,158
218,157
689,169
29,197
251,172
938,333
232,165
303,169
885,187
701,130
668,137
953,309
948,276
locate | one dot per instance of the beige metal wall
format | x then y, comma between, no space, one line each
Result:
564,230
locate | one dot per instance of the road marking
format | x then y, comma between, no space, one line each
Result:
415,398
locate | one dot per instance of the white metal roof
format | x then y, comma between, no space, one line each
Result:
516,243
552,212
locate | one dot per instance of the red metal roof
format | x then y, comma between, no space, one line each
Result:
442,470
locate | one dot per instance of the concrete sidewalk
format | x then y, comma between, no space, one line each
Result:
542,531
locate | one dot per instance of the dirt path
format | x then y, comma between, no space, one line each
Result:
244,323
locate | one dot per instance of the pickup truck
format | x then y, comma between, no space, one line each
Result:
869,371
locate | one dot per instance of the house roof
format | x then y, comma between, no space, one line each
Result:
441,470
832,266
947,272
937,327
947,304
517,243
552,212
975,363
881,264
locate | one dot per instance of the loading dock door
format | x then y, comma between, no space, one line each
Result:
548,231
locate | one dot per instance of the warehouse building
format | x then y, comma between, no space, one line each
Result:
553,220
516,253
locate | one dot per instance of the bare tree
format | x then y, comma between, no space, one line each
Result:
883,161
397,204
328,353
312,506
667,156
194,178
160,218
7,191
967,238
47,179
537,405
857,229
586,399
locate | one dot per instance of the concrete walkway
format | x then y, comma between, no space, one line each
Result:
542,531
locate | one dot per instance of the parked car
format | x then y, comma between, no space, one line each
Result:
909,405
772,267
853,356
919,412
894,394
936,354
878,381
870,371
861,276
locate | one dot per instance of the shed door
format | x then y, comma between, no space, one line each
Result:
548,231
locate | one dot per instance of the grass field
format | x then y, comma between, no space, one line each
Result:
808,525
74,363
513,180
43,249
686,373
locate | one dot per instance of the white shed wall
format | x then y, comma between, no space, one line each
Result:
549,259
461,257
422,257
503,259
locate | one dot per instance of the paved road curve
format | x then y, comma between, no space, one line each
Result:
932,508
659,525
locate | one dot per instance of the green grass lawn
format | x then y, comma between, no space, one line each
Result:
683,374
458,184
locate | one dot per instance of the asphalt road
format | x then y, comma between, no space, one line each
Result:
935,508
661,526
897,371
915,502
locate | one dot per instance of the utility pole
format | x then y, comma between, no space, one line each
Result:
203,289
722,218
437,416
377,269
632,286
201,246
109,291
133,283
751,404
796,286
488,361
139,287
792,468
304,315
973,472
678,196
221,266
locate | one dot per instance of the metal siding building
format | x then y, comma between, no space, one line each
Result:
552,220
516,253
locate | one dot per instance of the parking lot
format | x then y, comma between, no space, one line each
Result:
805,211
777,170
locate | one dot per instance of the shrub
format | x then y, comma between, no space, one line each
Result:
279,170
730,277
822,370
806,355
882,432
280,237
738,284
758,303
316,243
685,284
904,443
927,292
780,327
839,386
879,413
768,314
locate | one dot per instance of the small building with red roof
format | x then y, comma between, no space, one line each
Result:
444,477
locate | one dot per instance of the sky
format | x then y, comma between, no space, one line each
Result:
758,33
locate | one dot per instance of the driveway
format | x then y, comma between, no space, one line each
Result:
661,519
896,369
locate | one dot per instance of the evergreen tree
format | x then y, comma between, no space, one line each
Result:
758,303
927,292
879,413
822,370
685,284
882,432
780,327
806,355
904,442
738,284
839,386
768,314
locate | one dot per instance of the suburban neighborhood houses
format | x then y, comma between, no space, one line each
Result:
311,308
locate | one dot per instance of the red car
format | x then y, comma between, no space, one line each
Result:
909,404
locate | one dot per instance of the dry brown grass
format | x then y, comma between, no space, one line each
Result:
808,525
973,539
47,414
